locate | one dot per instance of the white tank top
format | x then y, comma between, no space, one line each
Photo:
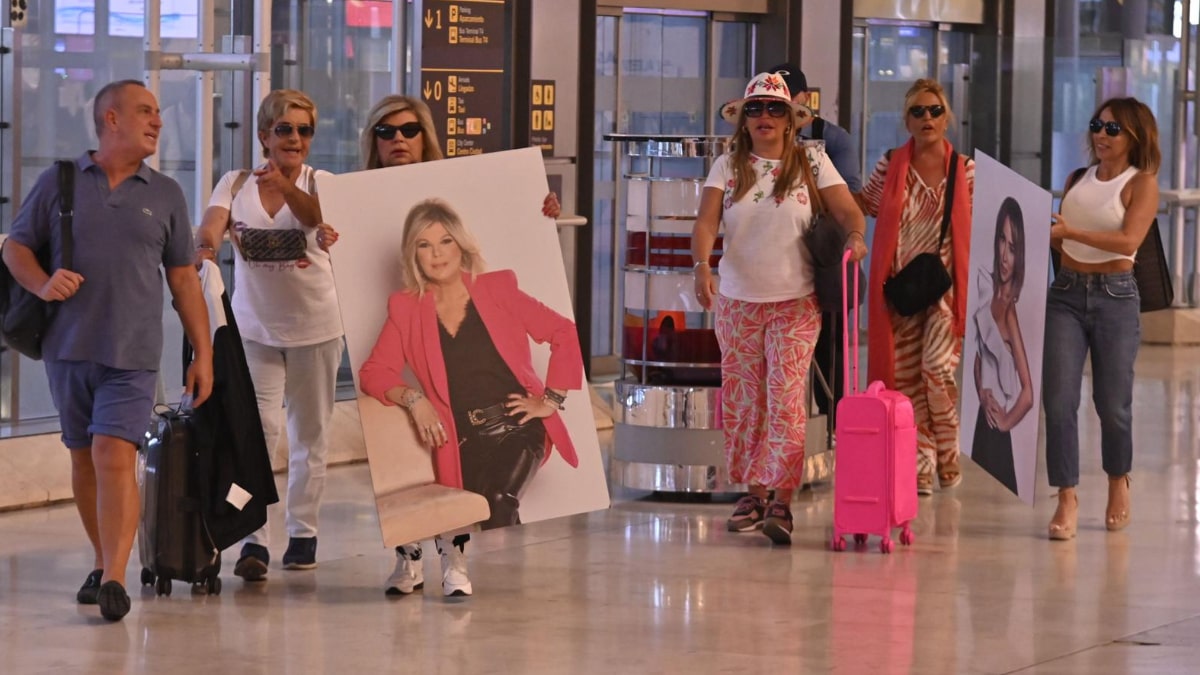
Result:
1095,205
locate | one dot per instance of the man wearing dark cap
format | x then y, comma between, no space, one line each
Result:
843,151
839,144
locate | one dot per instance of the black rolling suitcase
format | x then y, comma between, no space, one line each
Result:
173,538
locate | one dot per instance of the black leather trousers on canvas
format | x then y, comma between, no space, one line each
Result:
499,458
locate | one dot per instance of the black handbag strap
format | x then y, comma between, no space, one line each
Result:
66,210
950,180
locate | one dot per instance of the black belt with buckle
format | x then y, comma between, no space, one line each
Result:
492,414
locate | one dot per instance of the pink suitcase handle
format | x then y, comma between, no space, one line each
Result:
848,356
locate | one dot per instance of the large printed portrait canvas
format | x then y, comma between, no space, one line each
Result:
454,300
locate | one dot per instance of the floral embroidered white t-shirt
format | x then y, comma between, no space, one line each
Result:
764,259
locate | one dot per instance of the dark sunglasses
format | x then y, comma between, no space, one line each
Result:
935,111
774,108
388,131
285,129
1110,128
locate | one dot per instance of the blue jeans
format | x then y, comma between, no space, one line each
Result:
1097,313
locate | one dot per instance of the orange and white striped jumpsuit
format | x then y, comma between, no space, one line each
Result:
927,351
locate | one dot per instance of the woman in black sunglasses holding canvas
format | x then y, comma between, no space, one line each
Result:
918,191
286,309
400,132
1093,304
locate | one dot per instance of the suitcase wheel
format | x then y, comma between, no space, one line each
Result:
163,586
838,544
208,586
148,576
860,539
906,536
886,545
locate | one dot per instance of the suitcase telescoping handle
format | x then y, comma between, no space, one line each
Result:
850,357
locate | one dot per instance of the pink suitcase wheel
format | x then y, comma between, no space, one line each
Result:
886,545
906,536
838,544
860,539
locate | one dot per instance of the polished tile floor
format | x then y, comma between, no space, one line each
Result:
655,586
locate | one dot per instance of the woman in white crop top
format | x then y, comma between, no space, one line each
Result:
1093,305
1002,380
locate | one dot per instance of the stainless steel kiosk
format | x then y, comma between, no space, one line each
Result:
667,434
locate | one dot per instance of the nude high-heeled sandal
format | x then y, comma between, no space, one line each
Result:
1066,516
1117,487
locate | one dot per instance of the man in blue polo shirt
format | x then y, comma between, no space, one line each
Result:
103,348
843,152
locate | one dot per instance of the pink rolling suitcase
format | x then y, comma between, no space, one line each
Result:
875,478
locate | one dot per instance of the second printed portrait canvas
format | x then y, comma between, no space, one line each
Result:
1006,316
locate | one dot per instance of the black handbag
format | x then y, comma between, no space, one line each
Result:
924,280
826,244
1150,270
263,245
24,317
1152,274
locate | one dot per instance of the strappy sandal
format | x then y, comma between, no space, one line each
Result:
1117,520
1062,527
924,485
949,474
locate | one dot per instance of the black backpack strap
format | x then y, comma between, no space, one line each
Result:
66,210
818,129
950,180
1074,178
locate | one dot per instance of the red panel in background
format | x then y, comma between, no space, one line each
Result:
368,14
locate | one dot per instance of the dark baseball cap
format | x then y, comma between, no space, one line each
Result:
795,79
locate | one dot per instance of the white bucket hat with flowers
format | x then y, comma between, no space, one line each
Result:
767,87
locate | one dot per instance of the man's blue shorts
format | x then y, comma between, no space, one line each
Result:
94,399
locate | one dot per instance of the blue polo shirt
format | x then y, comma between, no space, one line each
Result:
122,239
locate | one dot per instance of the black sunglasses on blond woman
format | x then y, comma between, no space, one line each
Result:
935,111
774,108
388,131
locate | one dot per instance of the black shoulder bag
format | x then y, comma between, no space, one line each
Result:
1150,270
924,280
825,240
24,316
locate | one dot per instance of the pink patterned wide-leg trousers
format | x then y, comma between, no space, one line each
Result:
766,349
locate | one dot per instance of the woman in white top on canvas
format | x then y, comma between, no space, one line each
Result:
766,312
1093,305
1002,380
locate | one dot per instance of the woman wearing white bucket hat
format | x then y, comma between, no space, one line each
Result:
766,313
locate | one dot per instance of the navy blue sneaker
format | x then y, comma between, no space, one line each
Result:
301,554
252,565
90,588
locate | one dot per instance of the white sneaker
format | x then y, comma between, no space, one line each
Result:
409,574
455,582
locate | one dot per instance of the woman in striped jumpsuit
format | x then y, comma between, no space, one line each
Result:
918,355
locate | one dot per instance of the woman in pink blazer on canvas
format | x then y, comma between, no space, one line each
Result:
482,410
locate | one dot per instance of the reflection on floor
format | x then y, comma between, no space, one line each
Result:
655,586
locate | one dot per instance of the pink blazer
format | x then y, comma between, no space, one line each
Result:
410,337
